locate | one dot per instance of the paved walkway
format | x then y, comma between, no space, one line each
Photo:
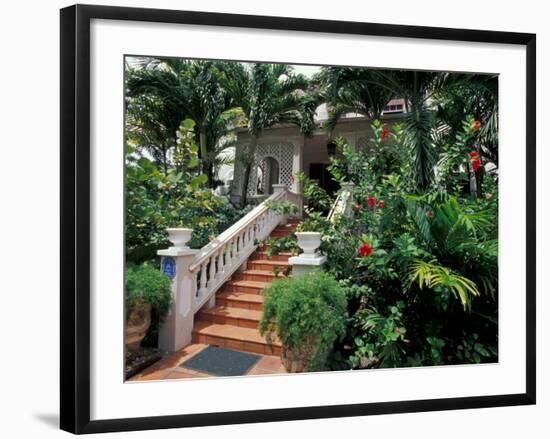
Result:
168,368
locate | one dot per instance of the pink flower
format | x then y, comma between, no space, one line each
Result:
381,204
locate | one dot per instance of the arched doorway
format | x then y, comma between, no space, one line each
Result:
268,175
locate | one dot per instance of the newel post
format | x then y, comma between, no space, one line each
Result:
176,331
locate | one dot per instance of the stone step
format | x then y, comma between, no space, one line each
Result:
267,264
244,286
225,315
257,275
234,337
240,300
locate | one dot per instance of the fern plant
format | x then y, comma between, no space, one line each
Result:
307,314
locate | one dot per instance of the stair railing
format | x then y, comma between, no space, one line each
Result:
343,205
198,274
220,258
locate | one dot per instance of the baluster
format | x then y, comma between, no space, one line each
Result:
212,277
203,279
228,251
221,268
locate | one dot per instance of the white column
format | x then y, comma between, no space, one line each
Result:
175,332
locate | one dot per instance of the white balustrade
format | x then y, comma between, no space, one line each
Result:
228,251
200,273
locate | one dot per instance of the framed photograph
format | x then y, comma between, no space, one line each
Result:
275,218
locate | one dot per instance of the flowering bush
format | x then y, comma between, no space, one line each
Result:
420,270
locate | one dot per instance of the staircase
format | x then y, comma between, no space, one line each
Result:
233,322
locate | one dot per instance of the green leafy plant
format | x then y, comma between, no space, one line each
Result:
438,278
379,339
282,207
147,284
308,313
314,222
317,198
288,243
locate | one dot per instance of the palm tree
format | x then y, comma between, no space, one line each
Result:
186,89
371,89
345,90
268,94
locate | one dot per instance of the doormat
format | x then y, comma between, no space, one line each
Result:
221,361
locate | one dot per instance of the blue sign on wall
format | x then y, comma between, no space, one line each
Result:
168,267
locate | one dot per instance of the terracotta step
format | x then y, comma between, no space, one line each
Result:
262,256
245,318
240,300
234,337
267,264
245,286
257,275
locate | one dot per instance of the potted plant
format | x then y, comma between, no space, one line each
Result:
308,234
307,314
147,290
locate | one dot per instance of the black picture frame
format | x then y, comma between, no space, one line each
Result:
75,217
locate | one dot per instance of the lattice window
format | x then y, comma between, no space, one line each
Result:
283,153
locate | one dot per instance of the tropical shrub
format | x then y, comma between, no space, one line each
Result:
419,269
306,312
157,198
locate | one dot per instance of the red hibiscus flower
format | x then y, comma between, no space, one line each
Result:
381,204
476,125
365,250
384,133
475,160
371,201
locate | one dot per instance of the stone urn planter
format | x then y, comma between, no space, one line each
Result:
309,242
179,237
296,360
137,324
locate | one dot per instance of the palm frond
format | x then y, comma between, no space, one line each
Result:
432,275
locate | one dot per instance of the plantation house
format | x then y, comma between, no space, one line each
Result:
282,151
